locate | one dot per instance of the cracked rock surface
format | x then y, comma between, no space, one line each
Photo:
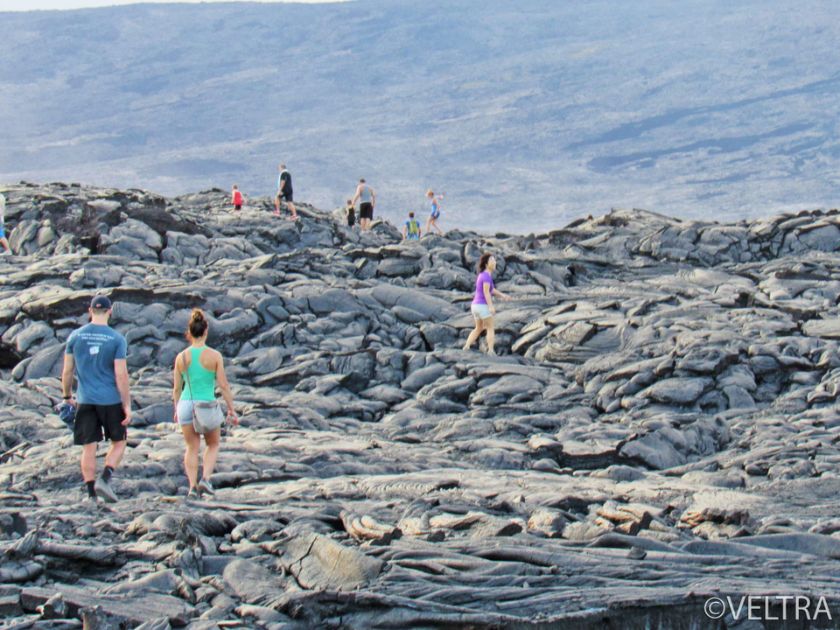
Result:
659,425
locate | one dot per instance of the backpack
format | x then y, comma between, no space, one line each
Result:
413,228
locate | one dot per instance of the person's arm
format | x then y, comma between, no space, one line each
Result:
372,198
177,385
67,378
121,375
498,293
405,232
488,298
224,386
356,196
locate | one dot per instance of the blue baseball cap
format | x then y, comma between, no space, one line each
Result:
100,303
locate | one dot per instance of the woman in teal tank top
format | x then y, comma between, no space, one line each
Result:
197,372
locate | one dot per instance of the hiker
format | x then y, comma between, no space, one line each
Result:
482,304
350,211
3,241
236,198
284,192
367,198
96,355
411,230
434,215
198,370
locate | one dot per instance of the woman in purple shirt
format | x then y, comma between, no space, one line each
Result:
482,304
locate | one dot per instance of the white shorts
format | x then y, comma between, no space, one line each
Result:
481,311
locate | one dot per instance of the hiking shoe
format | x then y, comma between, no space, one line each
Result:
205,487
104,491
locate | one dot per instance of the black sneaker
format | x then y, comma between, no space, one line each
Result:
104,491
205,487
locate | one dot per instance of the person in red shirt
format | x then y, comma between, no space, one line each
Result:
237,198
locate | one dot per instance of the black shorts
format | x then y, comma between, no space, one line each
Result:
366,210
92,420
351,217
282,196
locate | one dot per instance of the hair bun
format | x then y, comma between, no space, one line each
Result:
198,324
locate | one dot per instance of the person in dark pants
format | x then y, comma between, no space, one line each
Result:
285,192
96,356
350,210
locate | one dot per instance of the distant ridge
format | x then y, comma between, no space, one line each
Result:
525,114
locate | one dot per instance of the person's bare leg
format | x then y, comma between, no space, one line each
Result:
192,443
428,226
435,225
211,452
5,243
115,454
491,335
89,462
277,206
293,209
474,334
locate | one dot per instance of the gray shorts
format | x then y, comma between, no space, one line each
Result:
185,411
481,311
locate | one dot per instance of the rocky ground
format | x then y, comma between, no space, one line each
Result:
659,426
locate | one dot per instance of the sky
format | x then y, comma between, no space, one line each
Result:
32,5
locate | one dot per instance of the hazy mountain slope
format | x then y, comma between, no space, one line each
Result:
691,108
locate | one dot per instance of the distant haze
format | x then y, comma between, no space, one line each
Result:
62,5
526,114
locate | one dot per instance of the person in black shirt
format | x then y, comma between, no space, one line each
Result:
284,192
350,209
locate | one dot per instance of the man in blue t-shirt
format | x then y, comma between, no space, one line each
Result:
96,354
